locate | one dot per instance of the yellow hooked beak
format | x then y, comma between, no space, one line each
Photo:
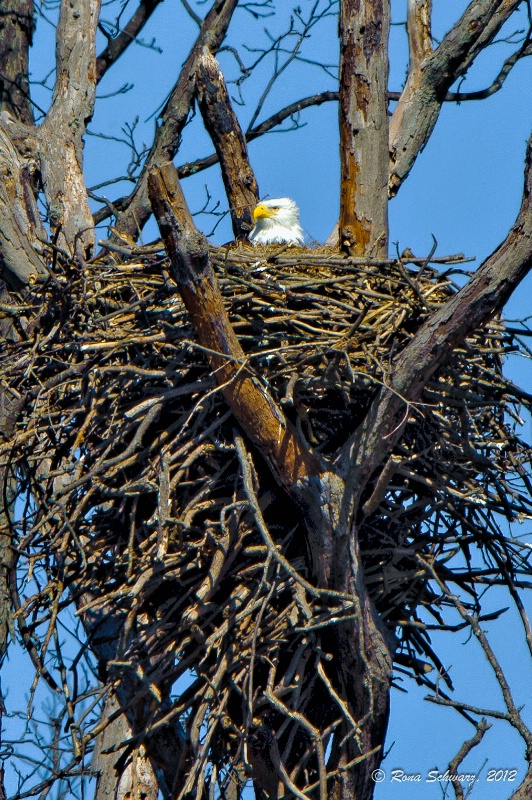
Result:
262,212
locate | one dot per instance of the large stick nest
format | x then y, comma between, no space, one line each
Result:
141,505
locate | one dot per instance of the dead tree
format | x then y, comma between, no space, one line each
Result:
246,473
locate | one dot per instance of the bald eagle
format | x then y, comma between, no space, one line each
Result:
276,222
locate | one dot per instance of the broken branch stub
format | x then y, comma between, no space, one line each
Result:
230,143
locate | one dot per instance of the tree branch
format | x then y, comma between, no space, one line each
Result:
420,48
464,751
514,712
290,460
476,303
524,51
190,11
224,129
174,116
364,30
259,130
430,79
127,35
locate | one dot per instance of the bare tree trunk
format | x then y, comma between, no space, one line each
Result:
61,134
20,248
363,108
121,774
524,791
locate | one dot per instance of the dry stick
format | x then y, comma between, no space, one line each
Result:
252,659
117,45
26,635
341,704
442,700
466,748
224,129
513,715
318,740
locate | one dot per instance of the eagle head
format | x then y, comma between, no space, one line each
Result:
276,222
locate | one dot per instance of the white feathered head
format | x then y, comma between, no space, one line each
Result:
276,222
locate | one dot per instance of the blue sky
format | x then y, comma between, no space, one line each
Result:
464,189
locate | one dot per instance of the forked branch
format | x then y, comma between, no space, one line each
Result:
431,77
